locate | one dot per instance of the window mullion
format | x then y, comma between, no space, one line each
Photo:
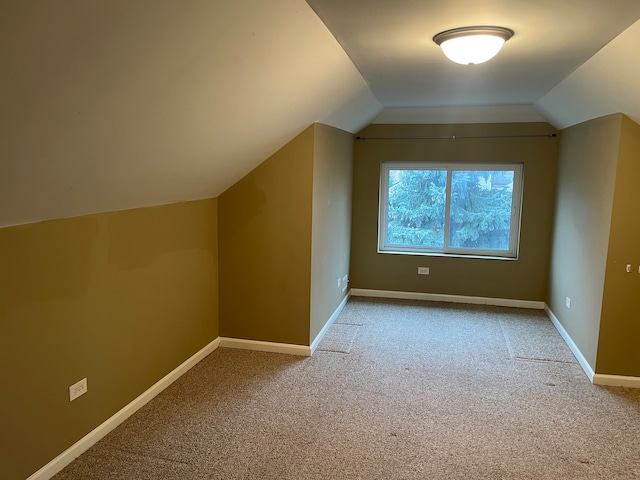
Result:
447,203
516,210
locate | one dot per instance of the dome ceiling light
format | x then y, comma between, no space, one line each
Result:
472,45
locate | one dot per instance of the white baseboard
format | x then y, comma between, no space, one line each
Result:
616,380
569,341
437,297
86,442
273,347
288,348
595,378
327,325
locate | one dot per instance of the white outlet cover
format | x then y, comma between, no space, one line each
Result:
567,302
77,389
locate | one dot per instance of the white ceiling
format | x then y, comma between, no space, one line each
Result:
390,42
117,104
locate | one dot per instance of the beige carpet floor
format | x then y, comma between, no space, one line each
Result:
396,390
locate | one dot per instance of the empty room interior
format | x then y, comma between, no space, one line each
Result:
242,193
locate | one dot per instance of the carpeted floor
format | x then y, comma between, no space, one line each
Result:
397,390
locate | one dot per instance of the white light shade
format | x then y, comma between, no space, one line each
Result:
472,45
473,49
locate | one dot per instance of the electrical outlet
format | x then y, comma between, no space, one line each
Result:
423,270
567,302
77,389
345,283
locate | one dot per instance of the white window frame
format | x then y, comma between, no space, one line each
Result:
516,209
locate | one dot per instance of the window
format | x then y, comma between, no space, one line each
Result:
456,209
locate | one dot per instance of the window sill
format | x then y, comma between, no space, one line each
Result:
450,255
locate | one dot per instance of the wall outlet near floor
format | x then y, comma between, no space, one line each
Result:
345,283
77,389
567,302
423,270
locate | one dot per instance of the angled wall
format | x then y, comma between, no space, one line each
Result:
619,339
120,298
331,223
521,279
265,248
284,240
586,183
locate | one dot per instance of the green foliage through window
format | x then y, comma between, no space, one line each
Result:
416,207
463,209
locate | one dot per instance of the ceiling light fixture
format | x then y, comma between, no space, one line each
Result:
472,45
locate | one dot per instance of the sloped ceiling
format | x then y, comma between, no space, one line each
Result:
117,104
609,82
391,44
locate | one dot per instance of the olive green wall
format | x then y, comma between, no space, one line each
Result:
119,298
619,340
521,279
265,248
331,223
586,181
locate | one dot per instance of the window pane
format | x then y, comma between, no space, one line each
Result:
480,214
416,205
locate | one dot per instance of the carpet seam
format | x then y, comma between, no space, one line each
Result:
543,360
506,340
347,350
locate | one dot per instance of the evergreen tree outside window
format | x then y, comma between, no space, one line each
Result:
457,209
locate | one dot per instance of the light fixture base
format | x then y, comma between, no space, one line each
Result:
472,45
502,32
